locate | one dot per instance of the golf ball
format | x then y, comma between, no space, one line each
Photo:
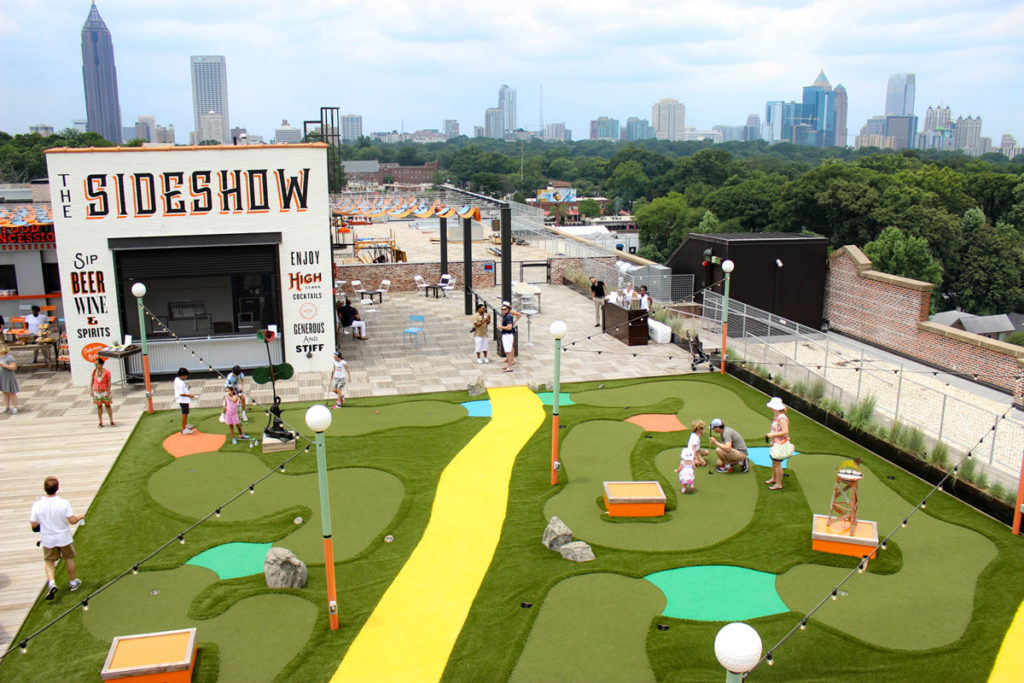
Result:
389,538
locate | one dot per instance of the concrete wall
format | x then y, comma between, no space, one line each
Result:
892,312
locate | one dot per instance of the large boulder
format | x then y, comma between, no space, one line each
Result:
283,570
556,534
577,551
477,386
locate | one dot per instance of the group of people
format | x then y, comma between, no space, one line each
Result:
232,409
731,449
506,325
8,366
624,297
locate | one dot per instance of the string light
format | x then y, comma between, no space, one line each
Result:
884,545
904,523
924,503
24,647
181,539
135,570
252,488
803,624
85,605
835,594
217,512
770,659
281,467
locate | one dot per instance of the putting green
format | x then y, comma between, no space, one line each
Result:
354,421
363,500
718,593
231,560
248,649
411,632
599,451
592,628
927,604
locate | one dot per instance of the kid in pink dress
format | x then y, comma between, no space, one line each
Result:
231,419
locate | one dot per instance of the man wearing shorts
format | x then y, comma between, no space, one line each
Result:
183,398
52,518
509,318
730,447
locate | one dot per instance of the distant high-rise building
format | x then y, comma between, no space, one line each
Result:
731,133
478,131
507,105
780,118
753,127
99,74
287,134
903,129
555,131
211,129
165,135
351,127
44,129
81,125
145,128
210,94
938,118
494,123
818,124
451,128
638,129
899,96
604,128
967,135
668,118
842,105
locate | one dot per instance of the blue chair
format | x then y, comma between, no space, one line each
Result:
413,330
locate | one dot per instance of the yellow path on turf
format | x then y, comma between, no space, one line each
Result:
410,634
1009,667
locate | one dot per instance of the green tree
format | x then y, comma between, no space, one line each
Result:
836,200
896,253
664,223
749,201
628,182
708,223
589,208
991,277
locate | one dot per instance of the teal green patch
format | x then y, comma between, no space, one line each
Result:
718,593
231,560
548,398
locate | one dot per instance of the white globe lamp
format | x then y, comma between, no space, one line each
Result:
737,647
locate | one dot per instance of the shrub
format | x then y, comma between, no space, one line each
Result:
816,391
896,430
997,490
913,440
940,455
831,405
862,412
967,468
799,388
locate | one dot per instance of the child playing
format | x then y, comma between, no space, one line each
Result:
236,379
341,374
230,410
184,399
688,458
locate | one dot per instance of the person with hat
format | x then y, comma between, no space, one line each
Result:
731,448
509,318
778,439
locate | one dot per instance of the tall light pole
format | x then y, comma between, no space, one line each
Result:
318,418
727,268
139,291
557,331
738,649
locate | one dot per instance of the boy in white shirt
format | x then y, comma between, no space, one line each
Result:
183,398
52,517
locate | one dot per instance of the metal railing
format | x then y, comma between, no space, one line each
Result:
848,374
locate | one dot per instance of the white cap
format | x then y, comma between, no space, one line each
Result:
716,423
776,403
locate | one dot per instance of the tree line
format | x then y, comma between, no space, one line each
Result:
943,217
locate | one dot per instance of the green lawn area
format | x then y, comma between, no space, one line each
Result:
934,606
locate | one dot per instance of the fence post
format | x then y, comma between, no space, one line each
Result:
942,415
899,391
825,366
992,451
860,374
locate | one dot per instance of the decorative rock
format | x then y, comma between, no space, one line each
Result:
577,551
283,570
534,386
556,534
477,386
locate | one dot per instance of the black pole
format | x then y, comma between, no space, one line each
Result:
444,245
467,263
506,252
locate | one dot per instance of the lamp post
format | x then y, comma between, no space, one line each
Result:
727,268
139,291
557,331
738,649
318,418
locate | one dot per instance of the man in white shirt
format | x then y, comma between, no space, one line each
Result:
52,518
32,322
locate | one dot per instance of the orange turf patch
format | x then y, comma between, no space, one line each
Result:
180,445
655,422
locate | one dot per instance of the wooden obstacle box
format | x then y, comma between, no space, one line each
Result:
272,445
634,498
164,657
835,538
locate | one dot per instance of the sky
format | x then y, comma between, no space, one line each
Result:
409,64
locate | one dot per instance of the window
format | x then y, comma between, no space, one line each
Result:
51,278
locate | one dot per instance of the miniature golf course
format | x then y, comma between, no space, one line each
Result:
438,504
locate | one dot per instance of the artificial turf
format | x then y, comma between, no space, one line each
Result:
950,582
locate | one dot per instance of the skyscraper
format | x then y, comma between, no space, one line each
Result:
638,129
507,105
451,128
842,106
604,128
938,118
351,127
493,123
899,96
99,74
668,117
818,125
210,94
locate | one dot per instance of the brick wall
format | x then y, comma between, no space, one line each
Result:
892,312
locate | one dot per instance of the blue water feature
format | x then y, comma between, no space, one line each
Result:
759,456
477,408
231,560
718,593
548,398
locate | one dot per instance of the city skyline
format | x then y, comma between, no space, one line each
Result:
722,61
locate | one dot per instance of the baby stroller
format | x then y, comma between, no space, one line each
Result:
697,355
